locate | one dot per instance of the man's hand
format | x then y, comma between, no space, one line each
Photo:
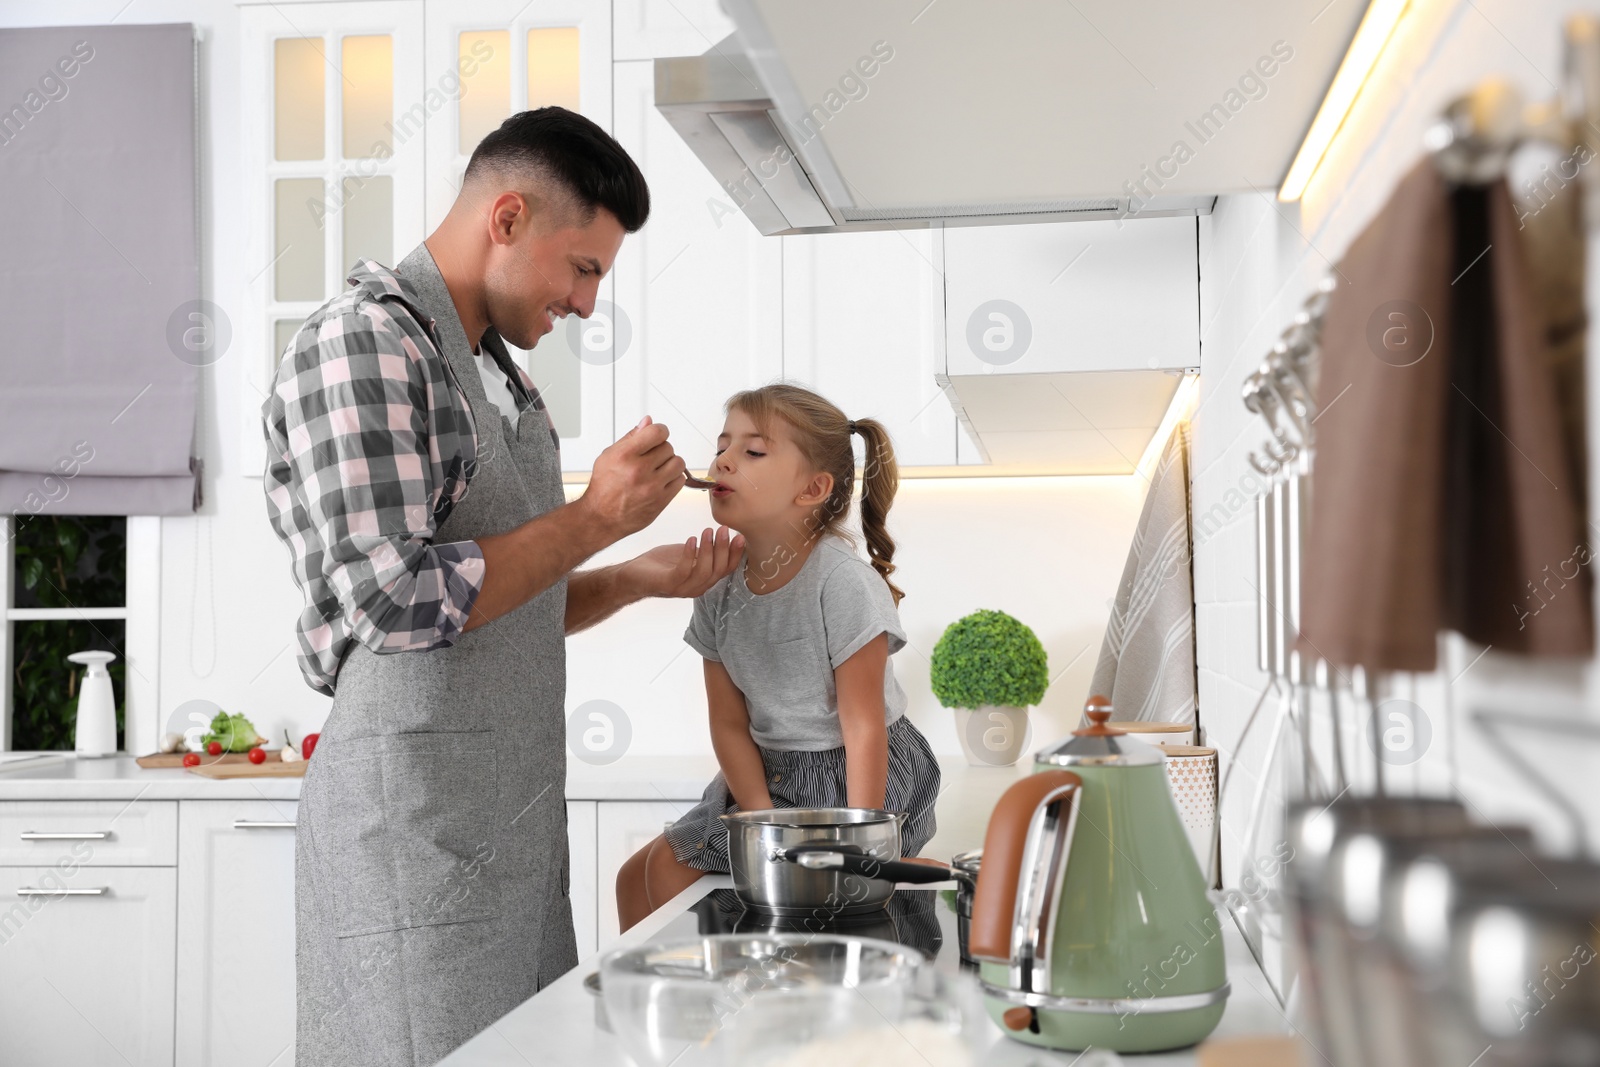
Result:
685,570
634,480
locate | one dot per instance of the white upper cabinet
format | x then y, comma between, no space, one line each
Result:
863,324
1072,296
698,290
333,149
358,126
649,29
486,60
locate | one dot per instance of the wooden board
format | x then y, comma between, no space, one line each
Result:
269,769
1141,727
1263,1051
167,760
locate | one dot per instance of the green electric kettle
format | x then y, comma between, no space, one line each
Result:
1090,923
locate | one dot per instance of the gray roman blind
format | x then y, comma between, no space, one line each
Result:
102,332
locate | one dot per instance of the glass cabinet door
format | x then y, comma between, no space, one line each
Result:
334,102
508,56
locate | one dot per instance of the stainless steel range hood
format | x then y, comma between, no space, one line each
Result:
777,173
825,115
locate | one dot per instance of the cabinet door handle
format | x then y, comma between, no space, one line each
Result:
37,891
263,824
65,835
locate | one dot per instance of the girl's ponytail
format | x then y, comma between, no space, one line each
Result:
880,478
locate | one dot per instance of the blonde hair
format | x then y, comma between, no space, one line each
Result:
823,434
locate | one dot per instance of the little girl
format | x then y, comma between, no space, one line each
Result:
805,708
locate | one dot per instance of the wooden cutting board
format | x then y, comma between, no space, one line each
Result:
168,760
1263,1051
269,769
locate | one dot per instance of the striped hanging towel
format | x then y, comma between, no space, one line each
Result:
1147,658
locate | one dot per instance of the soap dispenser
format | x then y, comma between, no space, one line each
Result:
96,733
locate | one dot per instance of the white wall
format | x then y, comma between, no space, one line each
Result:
1259,259
1050,551
1047,550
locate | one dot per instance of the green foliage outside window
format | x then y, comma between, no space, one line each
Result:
63,561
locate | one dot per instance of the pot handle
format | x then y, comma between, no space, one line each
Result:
1025,853
831,857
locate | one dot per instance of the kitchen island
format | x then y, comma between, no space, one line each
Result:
560,1025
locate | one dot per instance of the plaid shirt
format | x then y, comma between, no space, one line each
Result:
371,442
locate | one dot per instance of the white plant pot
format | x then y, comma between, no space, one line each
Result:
993,735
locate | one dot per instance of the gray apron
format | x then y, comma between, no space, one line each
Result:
431,875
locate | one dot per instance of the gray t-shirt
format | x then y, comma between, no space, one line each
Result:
781,648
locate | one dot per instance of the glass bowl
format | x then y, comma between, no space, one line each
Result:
774,999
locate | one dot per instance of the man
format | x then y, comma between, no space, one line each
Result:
430,536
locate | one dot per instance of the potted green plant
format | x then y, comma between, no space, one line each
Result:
990,668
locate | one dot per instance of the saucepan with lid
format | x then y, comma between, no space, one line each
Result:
833,864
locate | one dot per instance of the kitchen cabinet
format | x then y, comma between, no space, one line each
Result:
334,103
700,288
176,943
623,828
104,833
582,867
487,60
235,938
362,133
648,29
863,324
86,965
1072,296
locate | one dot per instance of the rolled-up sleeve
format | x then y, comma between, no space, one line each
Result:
358,458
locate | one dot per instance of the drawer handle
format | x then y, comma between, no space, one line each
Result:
36,891
65,835
262,824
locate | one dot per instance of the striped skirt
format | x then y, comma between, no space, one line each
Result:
699,839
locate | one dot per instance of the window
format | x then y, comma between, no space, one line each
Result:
65,586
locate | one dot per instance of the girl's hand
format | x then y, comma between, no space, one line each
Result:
686,570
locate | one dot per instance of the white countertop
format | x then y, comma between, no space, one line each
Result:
646,778
120,778
558,1025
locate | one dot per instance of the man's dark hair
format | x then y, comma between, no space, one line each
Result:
558,145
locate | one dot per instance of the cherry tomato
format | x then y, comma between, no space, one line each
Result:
214,748
308,744
191,759
258,755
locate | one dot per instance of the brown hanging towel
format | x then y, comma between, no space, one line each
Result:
1444,493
